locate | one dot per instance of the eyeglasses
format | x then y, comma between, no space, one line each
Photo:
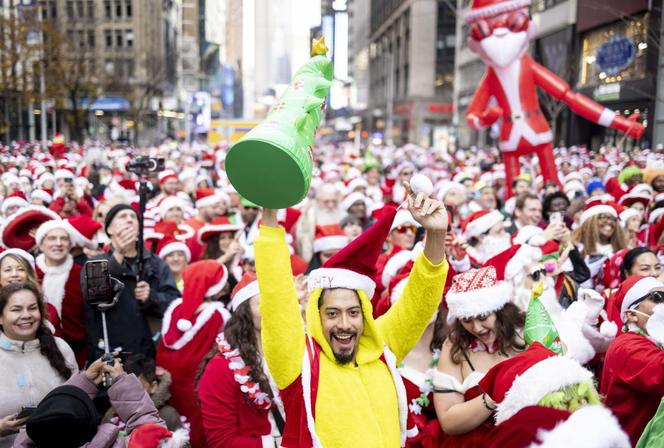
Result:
515,22
606,217
537,275
405,228
406,173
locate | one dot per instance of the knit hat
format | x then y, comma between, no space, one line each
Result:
598,207
329,237
634,288
165,175
202,279
114,211
151,435
218,225
245,290
480,222
16,228
354,266
526,378
206,197
476,292
83,230
19,253
593,185
67,415
168,244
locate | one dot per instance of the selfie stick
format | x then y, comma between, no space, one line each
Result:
118,287
142,197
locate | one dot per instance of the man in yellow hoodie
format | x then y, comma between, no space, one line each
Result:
338,380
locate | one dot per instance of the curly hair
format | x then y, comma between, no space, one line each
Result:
47,345
588,235
508,320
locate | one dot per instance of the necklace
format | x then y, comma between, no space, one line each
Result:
241,374
422,401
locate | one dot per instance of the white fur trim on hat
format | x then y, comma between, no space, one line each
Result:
592,426
64,174
627,214
208,201
525,233
330,278
638,290
394,265
187,327
244,294
43,195
169,203
525,256
598,210
480,225
548,375
216,288
475,303
352,198
403,217
13,202
174,247
77,238
19,253
52,225
397,291
655,215
330,242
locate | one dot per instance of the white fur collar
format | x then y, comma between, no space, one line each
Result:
208,310
53,283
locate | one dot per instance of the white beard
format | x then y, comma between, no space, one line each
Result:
499,52
53,283
325,217
493,245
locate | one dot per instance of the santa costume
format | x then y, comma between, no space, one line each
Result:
633,375
235,411
205,197
189,329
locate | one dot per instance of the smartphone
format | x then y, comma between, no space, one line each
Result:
555,217
98,282
26,411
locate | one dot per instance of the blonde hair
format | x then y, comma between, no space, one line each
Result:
32,276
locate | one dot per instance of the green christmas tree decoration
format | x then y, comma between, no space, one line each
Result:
272,164
539,327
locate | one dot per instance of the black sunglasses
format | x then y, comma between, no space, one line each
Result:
537,275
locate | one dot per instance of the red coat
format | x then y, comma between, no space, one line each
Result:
522,428
82,206
197,249
230,419
181,354
633,381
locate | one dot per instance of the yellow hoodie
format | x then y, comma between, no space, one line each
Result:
356,406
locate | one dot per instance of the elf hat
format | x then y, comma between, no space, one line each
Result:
218,225
245,290
168,244
354,266
206,197
526,378
83,230
17,227
151,435
329,237
202,279
480,222
165,175
632,290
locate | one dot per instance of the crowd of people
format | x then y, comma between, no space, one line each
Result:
374,313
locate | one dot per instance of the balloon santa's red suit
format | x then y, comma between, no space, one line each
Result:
500,31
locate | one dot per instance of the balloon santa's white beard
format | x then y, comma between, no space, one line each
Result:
503,47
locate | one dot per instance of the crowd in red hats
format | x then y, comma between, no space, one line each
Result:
187,324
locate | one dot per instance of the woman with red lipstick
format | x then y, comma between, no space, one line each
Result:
484,329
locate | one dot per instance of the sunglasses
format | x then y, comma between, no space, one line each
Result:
404,229
515,22
537,275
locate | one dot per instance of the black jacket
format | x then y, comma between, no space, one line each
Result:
126,321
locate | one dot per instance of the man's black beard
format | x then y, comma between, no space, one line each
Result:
344,358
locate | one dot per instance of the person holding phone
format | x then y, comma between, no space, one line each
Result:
68,203
32,360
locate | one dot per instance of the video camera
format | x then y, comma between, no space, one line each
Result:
144,165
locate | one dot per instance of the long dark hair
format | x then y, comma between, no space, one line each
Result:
47,345
212,251
508,320
630,260
241,334
438,331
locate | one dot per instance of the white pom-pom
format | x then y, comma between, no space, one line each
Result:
608,328
179,439
184,325
419,183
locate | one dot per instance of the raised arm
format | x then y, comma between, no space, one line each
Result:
282,327
477,114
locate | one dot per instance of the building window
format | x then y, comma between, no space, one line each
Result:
129,38
91,9
118,38
108,37
80,34
130,68
70,9
118,9
128,8
107,9
80,11
91,38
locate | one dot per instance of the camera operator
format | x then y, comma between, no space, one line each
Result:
127,324
68,203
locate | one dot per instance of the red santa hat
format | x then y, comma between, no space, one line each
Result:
630,198
168,244
627,214
354,266
53,224
151,435
288,217
529,234
17,227
329,237
598,207
19,253
218,225
206,197
165,175
64,174
245,290
16,199
403,218
43,195
481,221
526,378
632,290
83,230
354,197
170,202
202,279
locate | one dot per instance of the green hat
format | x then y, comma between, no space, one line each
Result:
539,327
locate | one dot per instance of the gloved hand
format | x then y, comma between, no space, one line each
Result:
594,302
655,325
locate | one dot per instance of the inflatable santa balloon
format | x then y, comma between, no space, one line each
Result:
500,31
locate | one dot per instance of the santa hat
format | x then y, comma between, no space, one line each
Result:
168,244
632,290
480,222
19,253
83,230
598,207
288,217
635,196
403,217
42,195
354,197
526,378
245,290
445,188
356,183
218,225
354,266
151,435
202,279
529,234
628,213
17,227
14,200
63,174
165,175
206,197
168,203
53,225
329,237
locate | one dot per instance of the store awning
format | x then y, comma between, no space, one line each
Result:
107,104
